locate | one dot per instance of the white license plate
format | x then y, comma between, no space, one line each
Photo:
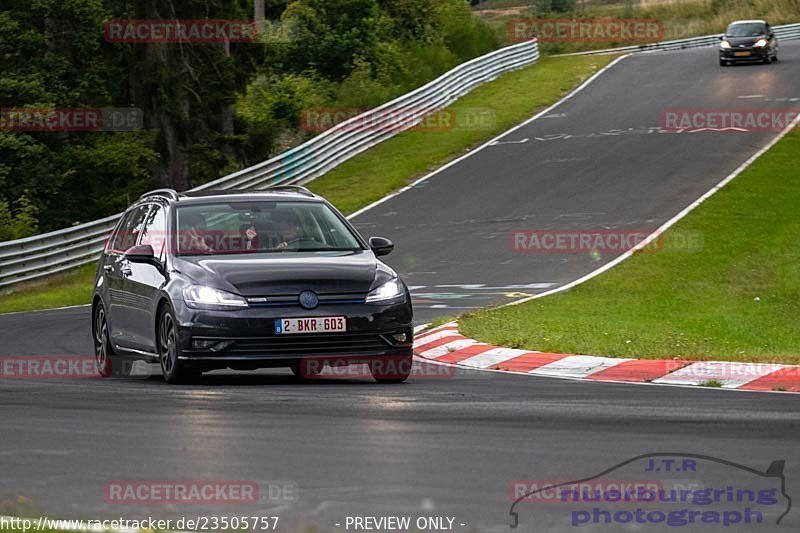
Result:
328,324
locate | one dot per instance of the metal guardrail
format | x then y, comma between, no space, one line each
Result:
786,32
41,255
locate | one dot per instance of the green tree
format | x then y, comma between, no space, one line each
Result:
208,108
21,222
187,91
326,37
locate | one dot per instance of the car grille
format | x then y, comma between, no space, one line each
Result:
305,345
294,299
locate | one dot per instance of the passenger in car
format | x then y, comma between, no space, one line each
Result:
195,236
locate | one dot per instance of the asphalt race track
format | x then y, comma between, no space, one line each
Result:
447,443
598,161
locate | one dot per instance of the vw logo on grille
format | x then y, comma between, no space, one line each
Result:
308,299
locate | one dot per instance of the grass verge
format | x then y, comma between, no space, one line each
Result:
71,288
737,298
389,166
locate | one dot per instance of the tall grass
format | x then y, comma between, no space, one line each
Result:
691,18
680,18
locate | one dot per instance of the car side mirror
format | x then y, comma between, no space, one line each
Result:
143,253
381,245
722,37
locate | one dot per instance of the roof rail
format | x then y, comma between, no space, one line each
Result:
172,194
290,188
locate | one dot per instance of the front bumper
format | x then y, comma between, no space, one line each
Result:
246,339
753,54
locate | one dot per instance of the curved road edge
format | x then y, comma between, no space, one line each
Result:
669,223
491,141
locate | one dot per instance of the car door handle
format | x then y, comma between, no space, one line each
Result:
108,268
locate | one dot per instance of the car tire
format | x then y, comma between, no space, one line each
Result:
391,369
173,369
723,63
107,363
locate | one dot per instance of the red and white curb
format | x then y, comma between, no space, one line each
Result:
444,344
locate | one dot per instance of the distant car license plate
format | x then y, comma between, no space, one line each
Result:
741,54
328,324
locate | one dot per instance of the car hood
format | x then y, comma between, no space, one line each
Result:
285,274
744,41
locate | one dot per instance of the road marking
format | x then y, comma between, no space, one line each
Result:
730,374
577,366
441,334
614,132
445,306
482,286
717,129
498,143
441,295
493,357
449,347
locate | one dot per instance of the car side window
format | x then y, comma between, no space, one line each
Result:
155,230
129,231
115,244
111,244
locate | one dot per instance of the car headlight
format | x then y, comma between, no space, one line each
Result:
202,297
391,290
761,43
725,45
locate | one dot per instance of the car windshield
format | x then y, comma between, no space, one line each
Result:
746,29
236,227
